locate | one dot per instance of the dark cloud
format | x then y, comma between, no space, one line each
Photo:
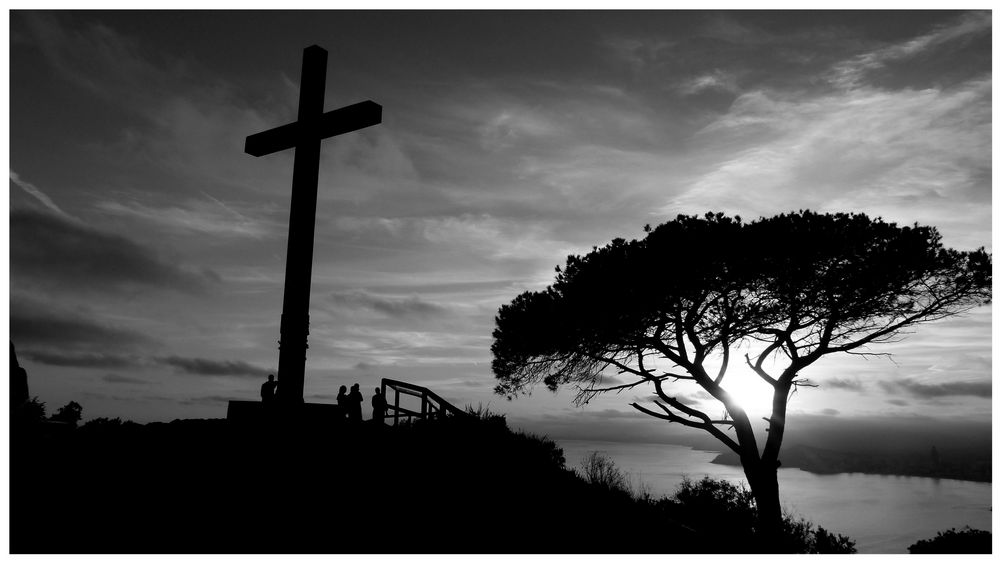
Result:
35,325
48,249
212,367
979,389
393,307
830,412
120,379
606,414
85,360
897,402
476,384
511,285
690,398
845,384
205,400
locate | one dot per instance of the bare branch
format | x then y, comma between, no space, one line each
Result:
672,417
760,372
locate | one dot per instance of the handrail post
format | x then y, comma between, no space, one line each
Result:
395,412
384,401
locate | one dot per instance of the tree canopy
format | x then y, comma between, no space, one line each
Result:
808,284
680,303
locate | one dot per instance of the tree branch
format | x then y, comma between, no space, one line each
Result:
760,372
672,417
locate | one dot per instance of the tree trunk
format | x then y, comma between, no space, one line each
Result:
763,480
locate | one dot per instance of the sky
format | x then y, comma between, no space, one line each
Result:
147,249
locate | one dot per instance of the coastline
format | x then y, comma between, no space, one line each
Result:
825,461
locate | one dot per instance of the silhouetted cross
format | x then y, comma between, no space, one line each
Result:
305,136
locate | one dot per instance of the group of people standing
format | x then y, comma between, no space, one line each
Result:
350,403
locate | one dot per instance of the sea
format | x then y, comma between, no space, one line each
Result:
882,514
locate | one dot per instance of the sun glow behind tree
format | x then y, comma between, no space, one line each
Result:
704,294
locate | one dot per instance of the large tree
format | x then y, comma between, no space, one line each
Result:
680,306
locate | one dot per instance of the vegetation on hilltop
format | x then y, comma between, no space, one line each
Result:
454,485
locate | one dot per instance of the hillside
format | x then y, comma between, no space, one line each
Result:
205,486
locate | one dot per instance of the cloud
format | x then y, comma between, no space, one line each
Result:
508,127
844,384
84,360
897,402
204,217
906,155
121,379
37,193
393,307
35,326
212,367
48,249
186,114
689,399
850,73
830,412
978,389
201,400
716,80
638,53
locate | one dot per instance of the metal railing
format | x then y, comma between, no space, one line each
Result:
432,406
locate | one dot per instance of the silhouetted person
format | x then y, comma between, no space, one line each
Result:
267,390
378,406
354,401
343,401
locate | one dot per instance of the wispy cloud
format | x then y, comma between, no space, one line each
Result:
206,217
905,155
213,367
122,379
54,334
50,250
851,73
39,195
210,400
85,360
843,384
716,80
978,389
393,307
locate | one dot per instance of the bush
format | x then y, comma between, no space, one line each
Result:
28,413
709,505
965,541
69,414
601,471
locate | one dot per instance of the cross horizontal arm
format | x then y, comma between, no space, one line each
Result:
330,124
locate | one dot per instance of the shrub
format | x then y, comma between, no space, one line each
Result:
601,471
965,541
709,505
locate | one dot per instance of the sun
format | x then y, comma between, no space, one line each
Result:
751,393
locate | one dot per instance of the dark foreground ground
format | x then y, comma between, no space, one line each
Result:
205,486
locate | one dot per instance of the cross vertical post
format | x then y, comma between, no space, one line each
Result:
305,135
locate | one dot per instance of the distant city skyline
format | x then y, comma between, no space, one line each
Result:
147,249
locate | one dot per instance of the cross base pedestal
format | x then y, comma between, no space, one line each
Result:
255,412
